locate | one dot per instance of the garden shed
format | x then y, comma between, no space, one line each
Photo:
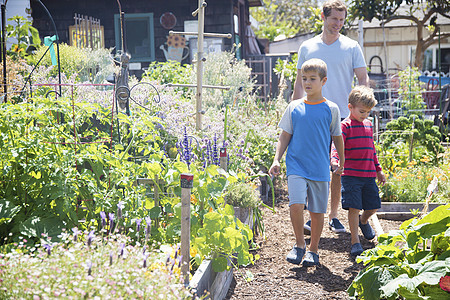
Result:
147,25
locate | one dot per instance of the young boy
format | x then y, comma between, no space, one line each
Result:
361,167
306,126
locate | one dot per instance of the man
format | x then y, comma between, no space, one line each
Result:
344,59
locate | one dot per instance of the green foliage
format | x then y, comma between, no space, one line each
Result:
421,136
316,19
243,195
288,68
410,91
106,268
170,71
26,35
282,18
80,64
407,263
222,236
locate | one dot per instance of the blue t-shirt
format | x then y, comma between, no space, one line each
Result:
341,57
311,125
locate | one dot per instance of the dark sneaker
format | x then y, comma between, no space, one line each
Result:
311,259
367,230
295,256
356,250
307,228
336,226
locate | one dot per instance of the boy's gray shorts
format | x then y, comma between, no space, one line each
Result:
313,194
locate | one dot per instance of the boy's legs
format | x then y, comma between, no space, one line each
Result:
296,213
353,223
317,220
366,215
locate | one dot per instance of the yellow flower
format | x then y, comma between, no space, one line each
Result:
194,199
193,252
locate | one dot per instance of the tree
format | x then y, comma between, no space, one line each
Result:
283,17
422,13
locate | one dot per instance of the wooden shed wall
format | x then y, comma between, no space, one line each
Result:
218,18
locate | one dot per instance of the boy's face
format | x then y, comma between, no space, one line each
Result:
312,84
359,112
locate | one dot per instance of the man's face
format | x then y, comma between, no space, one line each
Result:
334,22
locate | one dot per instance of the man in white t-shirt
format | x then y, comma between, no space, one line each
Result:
344,59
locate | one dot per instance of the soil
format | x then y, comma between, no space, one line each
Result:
275,278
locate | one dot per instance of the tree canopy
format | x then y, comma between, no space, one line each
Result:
422,13
283,18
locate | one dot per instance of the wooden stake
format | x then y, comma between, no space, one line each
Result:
186,186
201,30
223,159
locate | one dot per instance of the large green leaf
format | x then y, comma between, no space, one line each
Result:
368,283
7,211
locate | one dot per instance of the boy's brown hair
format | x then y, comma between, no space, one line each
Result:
316,65
336,4
362,95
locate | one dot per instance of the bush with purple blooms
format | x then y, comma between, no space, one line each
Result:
108,268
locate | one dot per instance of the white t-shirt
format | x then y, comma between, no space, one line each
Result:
341,57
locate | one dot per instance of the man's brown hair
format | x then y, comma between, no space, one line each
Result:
336,4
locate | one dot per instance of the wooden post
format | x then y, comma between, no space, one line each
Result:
223,159
186,186
201,30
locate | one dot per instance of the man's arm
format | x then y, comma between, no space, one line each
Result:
361,74
298,87
282,144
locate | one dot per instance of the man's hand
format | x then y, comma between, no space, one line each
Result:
275,168
381,178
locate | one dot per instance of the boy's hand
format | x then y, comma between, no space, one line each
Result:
275,168
381,178
334,166
338,170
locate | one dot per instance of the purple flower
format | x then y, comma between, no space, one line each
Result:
103,216
138,225
144,265
90,238
89,265
119,210
110,258
186,148
148,227
49,248
111,221
122,247
75,233
145,247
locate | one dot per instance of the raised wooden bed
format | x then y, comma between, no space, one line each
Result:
214,285
401,211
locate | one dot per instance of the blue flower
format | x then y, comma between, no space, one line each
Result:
138,225
119,210
75,233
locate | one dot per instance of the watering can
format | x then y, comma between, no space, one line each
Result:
175,48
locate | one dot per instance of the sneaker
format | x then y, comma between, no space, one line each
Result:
336,226
295,256
311,259
356,250
367,230
307,228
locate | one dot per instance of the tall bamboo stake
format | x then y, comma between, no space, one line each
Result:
186,186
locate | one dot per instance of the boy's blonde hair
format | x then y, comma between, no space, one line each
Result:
363,95
315,65
336,4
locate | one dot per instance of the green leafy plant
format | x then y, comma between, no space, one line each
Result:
410,91
242,194
288,68
407,263
27,37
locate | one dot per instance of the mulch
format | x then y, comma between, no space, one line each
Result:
272,277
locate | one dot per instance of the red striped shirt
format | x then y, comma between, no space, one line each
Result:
360,155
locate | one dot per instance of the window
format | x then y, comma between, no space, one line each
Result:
138,38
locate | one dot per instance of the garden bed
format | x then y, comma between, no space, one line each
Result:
401,211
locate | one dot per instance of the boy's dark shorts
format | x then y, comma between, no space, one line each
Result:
360,193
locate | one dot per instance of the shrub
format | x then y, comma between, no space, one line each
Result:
242,194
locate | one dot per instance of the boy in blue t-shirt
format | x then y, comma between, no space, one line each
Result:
308,126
